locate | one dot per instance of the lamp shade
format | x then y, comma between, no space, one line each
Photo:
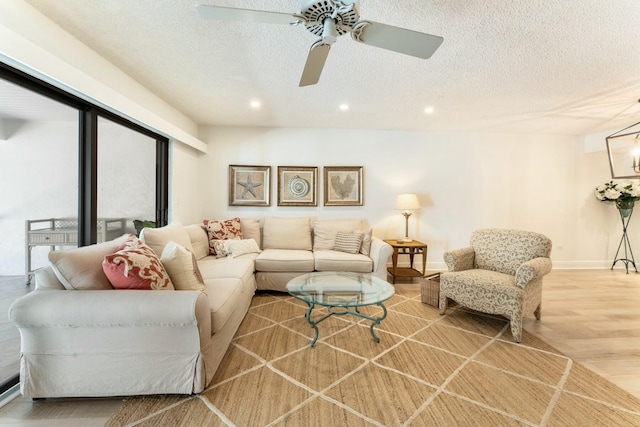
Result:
408,202
623,148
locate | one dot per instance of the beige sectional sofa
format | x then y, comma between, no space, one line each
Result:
80,337
294,246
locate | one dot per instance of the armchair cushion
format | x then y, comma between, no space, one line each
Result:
483,290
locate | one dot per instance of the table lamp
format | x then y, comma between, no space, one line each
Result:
407,203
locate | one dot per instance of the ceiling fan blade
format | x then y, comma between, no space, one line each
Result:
245,15
397,39
315,63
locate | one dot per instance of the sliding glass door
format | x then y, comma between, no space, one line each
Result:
71,174
126,179
39,193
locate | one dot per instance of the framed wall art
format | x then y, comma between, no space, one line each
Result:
297,186
249,185
343,186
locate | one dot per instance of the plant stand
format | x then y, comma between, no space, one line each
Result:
625,215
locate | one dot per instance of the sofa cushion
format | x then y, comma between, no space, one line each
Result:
182,267
251,230
285,260
224,298
348,242
222,230
224,268
199,240
342,261
286,233
324,231
81,268
136,266
157,238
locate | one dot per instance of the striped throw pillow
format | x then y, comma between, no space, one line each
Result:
348,242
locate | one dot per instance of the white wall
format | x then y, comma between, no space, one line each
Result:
187,192
465,181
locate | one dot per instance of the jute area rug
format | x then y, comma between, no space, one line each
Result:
459,369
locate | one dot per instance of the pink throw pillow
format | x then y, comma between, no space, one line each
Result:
136,266
222,230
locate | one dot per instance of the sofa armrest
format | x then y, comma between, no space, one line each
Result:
103,313
532,270
380,253
460,259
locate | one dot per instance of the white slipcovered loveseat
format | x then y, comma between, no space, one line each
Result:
80,337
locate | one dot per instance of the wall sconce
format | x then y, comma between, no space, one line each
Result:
407,203
623,148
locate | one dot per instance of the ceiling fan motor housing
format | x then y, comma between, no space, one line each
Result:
346,13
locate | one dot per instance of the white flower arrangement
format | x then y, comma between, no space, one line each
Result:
620,191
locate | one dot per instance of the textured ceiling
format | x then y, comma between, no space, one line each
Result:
546,66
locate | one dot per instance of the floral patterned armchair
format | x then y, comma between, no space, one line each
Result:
500,273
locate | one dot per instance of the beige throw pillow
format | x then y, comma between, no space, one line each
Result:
365,248
81,268
182,267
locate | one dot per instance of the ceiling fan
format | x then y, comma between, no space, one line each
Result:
329,19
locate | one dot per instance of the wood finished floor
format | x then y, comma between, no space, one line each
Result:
591,316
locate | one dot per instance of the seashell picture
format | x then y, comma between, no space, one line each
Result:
343,186
297,185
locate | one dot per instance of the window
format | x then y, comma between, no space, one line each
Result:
74,165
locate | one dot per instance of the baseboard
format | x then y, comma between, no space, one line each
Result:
557,265
9,395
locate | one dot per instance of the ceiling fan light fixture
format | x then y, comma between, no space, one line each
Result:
329,19
329,34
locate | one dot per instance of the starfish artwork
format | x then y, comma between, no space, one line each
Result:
249,187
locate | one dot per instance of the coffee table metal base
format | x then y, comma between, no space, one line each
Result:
346,310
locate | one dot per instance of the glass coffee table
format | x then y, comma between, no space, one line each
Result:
342,293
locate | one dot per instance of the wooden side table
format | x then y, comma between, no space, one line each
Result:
411,248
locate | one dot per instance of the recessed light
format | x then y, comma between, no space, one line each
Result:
428,110
255,104
344,107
